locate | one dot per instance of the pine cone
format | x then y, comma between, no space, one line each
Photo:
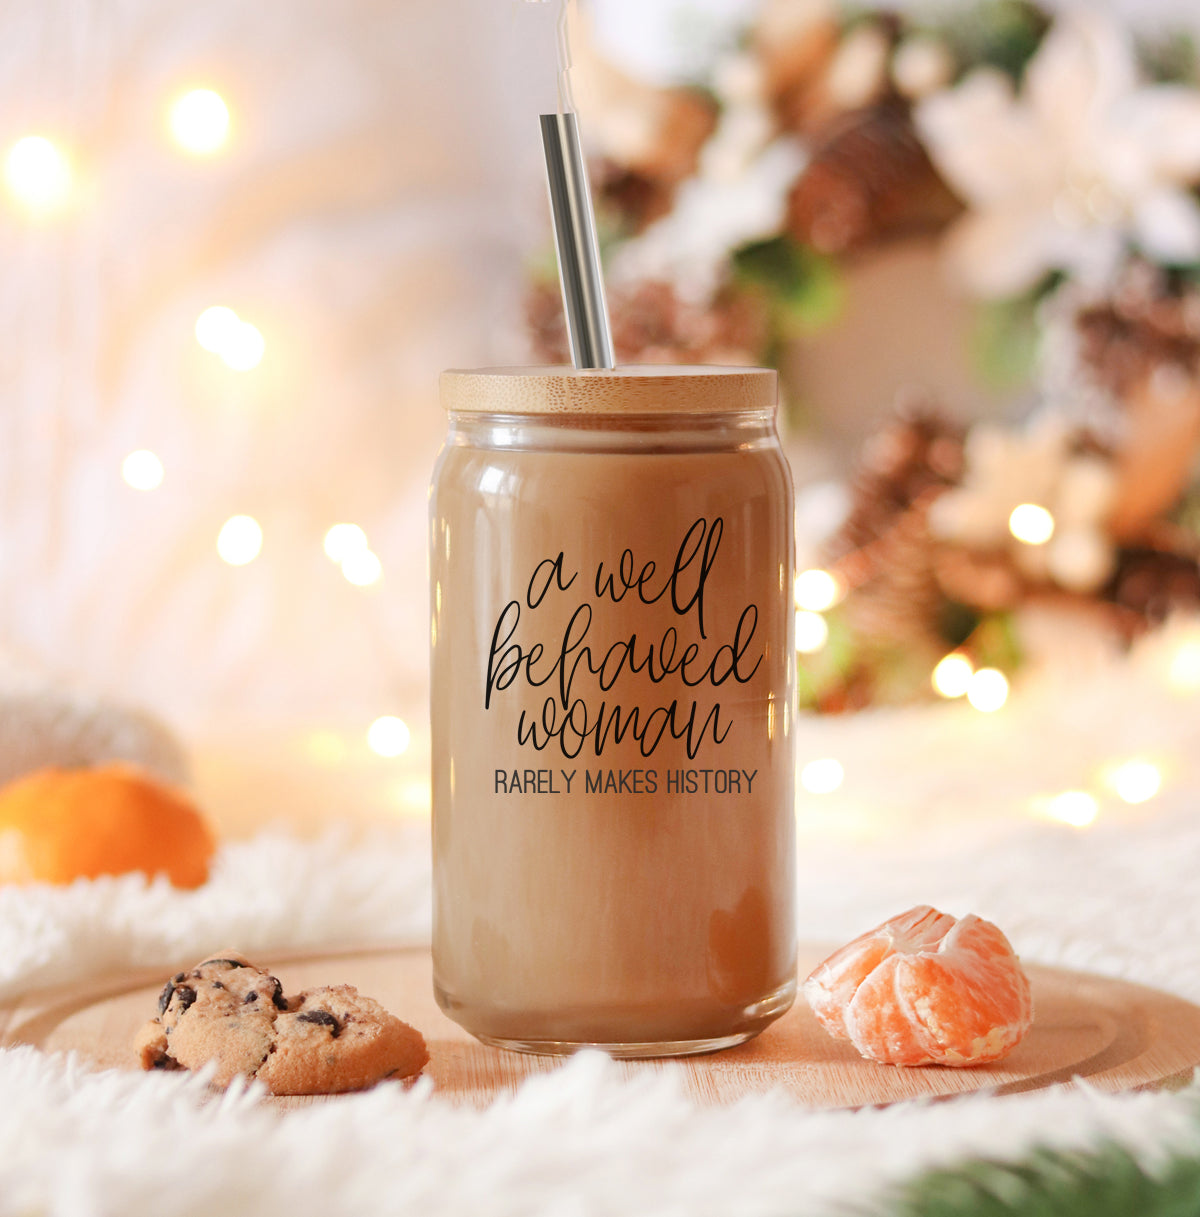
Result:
1140,329
1142,346
635,187
651,324
1155,583
916,453
635,197
546,325
869,180
897,600
885,552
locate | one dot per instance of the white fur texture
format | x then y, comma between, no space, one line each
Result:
272,893
1117,898
579,1141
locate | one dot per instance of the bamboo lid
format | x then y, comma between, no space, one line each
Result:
635,389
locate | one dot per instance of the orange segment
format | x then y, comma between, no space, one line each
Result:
832,985
924,989
59,825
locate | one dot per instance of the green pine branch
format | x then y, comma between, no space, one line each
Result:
1106,1182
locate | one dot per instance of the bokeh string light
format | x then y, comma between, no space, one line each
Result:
987,690
239,344
362,568
243,348
812,632
199,122
214,326
822,776
240,540
952,676
38,175
1074,807
1132,780
347,545
39,178
389,736
1135,781
1031,524
342,540
817,591
142,470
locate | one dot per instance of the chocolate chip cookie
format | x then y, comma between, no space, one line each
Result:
321,1041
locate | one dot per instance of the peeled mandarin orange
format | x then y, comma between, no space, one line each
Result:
925,989
58,825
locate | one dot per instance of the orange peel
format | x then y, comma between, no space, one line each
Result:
58,825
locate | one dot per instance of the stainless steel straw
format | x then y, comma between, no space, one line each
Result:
578,250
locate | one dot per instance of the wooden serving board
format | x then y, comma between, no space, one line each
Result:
1116,1035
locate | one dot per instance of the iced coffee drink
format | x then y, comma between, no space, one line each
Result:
612,684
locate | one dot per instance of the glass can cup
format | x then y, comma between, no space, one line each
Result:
613,676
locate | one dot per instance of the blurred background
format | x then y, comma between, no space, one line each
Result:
240,242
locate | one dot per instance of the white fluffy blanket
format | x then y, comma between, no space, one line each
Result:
581,1140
